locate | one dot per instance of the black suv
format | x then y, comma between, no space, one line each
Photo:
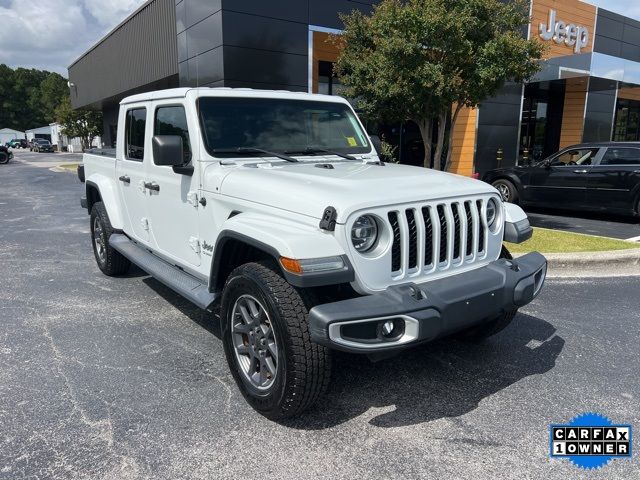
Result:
589,176
40,145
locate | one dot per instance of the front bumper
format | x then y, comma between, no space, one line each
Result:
428,311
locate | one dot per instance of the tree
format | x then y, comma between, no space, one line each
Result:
420,60
85,124
29,97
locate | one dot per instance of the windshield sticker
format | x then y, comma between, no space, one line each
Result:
352,142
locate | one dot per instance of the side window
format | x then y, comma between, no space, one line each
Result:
621,156
578,156
134,133
172,120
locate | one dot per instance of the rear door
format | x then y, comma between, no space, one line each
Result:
130,171
563,181
173,203
614,181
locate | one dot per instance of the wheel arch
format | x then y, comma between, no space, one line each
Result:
99,189
248,237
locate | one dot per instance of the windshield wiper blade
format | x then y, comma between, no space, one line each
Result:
255,150
311,151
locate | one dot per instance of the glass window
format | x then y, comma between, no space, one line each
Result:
172,120
577,156
621,156
134,133
278,125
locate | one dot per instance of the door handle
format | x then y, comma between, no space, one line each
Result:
580,171
152,186
124,179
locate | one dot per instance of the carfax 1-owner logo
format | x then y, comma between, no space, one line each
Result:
590,441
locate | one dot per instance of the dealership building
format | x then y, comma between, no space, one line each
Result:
587,90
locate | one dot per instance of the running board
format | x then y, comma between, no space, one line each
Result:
186,285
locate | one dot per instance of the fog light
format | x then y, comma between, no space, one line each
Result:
390,329
387,328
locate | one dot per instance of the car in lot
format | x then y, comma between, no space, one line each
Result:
40,145
17,143
590,176
5,154
274,210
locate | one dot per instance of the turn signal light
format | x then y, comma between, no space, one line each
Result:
291,265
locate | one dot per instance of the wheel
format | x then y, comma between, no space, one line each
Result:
109,260
496,325
279,371
507,190
4,157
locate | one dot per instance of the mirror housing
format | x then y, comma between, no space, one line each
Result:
168,150
377,143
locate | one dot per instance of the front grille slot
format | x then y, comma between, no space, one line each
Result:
480,227
413,238
436,237
456,231
443,234
469,216
428,236
395,246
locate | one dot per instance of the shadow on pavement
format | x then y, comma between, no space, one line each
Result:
443,379
205,319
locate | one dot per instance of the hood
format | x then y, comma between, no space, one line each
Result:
350,186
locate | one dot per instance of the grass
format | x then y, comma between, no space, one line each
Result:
72,167
555,241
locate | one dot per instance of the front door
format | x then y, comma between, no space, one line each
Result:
614,180
173,198
130,174
562,181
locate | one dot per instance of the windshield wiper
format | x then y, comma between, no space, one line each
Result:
255,150
311,151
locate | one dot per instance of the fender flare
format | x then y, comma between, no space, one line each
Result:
517,228
109,197
270,238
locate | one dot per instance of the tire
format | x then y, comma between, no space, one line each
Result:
299,372
507,190
494,326
109,260
4,157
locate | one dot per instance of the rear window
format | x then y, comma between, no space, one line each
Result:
621,156
134,133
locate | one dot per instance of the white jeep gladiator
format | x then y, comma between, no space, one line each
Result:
274,211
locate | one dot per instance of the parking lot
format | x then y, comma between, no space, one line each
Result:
121,378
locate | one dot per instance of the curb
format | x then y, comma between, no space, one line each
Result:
602,264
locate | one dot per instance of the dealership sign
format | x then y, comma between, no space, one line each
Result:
570,34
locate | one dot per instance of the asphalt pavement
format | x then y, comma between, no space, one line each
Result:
120,378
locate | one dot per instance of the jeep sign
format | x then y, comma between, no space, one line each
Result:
571,35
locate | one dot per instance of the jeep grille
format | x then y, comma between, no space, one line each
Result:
437,236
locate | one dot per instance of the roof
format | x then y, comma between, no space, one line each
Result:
45,129
604,144
9,130
229,92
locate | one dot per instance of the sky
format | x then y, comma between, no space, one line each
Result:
51,34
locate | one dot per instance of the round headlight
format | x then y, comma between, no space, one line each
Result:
364,233
492,212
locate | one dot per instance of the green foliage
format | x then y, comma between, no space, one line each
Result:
86,124
29,97
416,59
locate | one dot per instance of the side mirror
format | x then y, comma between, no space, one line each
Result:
377,143
168,150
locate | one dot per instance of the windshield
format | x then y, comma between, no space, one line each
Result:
278,125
